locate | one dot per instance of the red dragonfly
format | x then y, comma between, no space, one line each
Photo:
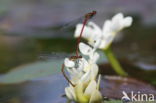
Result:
87,17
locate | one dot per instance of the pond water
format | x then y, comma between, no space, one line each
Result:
41,90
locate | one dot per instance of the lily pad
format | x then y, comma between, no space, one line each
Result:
32,71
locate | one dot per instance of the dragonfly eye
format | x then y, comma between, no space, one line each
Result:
94,12
90,15
73,58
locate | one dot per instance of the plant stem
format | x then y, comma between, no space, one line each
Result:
114,62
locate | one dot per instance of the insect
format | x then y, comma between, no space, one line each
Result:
87,17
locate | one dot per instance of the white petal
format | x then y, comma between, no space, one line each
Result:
78,30
107,40
87,33
95,57
94,71
90,88
95,27
117,17
79,93
85,49
98,83
88,29
103,44
95,42
73,71
70,93
117,21
86,77
96,97
83,63
127,21
106,27
69,63
95,36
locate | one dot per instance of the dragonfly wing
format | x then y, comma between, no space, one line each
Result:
53,56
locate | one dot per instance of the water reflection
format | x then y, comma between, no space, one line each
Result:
42,90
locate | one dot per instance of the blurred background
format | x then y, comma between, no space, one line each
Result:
36,35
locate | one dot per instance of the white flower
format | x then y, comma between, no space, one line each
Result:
89,51
83,74
84,92
102,38
69,63
81,67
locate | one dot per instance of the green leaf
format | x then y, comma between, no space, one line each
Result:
32,71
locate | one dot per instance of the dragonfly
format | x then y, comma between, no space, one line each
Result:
87,17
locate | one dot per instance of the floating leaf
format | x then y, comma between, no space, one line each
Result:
32,71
